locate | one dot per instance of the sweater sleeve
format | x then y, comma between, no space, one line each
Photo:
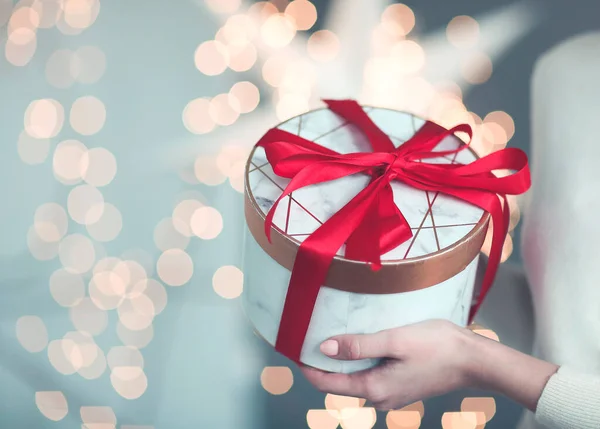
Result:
570,400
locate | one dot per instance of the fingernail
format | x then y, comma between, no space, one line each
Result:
330,347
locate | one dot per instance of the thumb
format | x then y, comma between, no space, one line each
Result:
355,347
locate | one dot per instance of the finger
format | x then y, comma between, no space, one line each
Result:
338,384
355,347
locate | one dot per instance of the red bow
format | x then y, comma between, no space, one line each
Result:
371,224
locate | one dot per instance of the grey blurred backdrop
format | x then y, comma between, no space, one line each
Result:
203,365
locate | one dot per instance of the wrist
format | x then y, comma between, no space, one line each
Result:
492,366
473,355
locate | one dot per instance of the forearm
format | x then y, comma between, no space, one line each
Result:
501,369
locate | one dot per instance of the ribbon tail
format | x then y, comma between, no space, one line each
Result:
311,267
500,221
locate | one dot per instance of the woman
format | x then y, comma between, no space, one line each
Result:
561,385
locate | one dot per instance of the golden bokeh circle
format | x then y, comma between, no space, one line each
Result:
206,223
323,46
228,282
32,333
76,253
277,380
88,115
175,267
52,404
463,31
44,118
67,289
303,12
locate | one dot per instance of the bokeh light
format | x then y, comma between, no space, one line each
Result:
85,204
277,380
44,118
96,368
476,68
182,216
67,289
322,419
196,117
49,12
242,56
206,223
88,115
107,290
98,417
245,96
175,267
207,171
221,110
278,30
136,312
155,291
108,227
32,333
65,356
211,58
238,29
31,150
87,317
339,402
50,222
460,420
129,381
504,120
19,54
488,333
262,10
303,12
323,46
358,418
398,19
52,404
98,166
274,69
67,161
40,249
228,282
231,161
400,419
78,15
485,407
463,31
76,253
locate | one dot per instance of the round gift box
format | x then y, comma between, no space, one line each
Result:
431,276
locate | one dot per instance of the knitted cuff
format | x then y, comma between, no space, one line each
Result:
570,400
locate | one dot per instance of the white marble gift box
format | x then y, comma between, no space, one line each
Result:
443,227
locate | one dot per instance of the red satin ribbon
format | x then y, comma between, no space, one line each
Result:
371,224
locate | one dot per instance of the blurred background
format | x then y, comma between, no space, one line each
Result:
124,131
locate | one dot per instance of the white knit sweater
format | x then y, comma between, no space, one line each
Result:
560,237
561,231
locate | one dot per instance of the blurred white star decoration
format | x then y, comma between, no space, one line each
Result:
368,50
